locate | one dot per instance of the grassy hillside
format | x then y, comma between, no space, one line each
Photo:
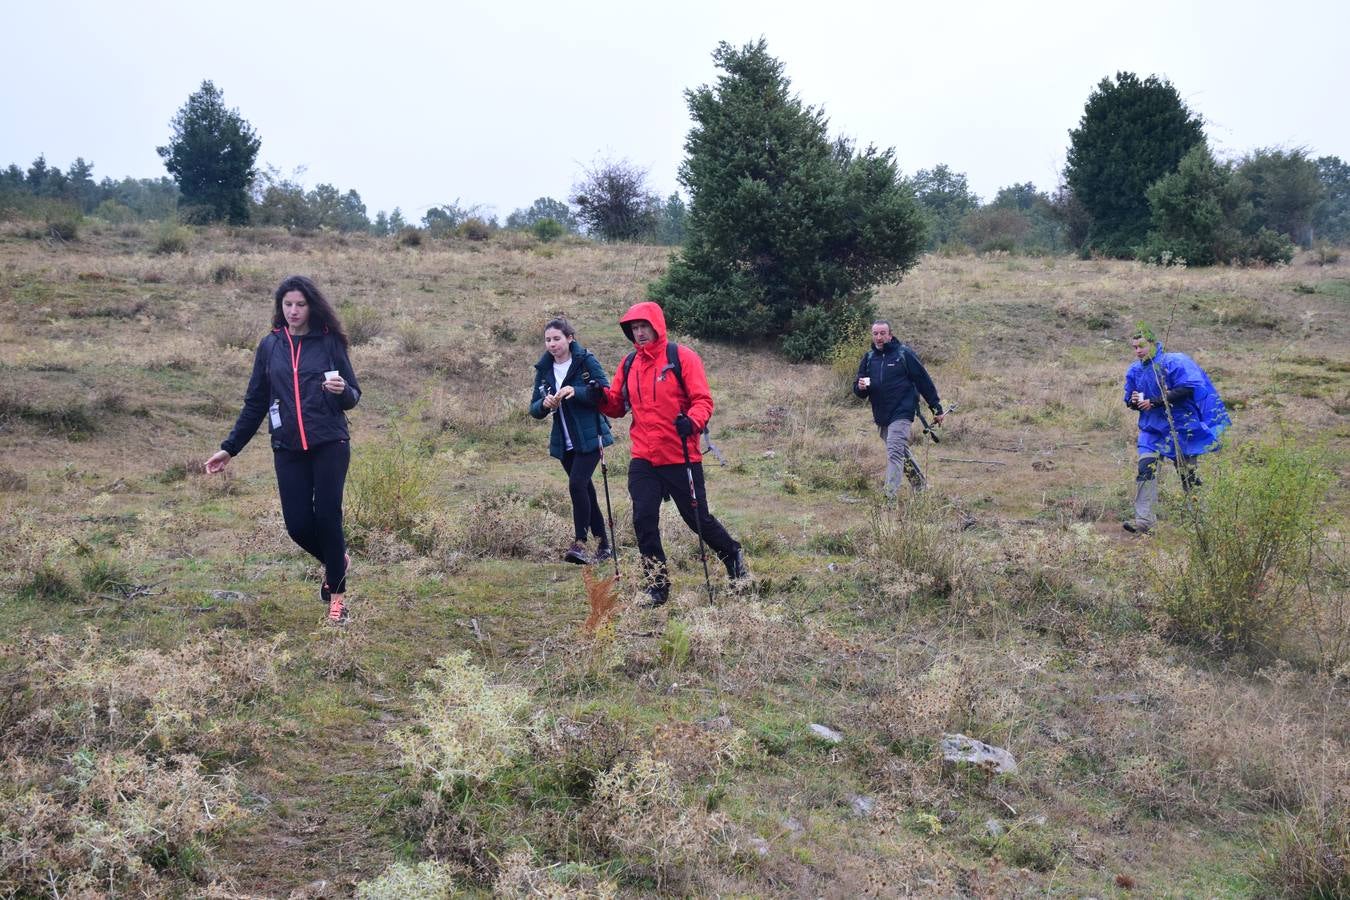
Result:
178,719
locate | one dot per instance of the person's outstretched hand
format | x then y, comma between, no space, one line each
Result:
218,461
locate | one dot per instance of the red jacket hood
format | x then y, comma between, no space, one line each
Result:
651,312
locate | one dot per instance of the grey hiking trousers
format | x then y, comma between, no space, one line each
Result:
898,457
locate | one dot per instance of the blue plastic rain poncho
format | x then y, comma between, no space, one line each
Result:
1199,419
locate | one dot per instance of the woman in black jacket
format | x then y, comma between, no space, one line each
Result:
303,384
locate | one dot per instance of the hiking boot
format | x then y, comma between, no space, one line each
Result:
656,596
576,554
602,554
337,613
737,570
1134,526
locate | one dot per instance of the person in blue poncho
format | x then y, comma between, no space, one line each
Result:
1181,416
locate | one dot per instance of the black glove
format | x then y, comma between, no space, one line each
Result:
684,425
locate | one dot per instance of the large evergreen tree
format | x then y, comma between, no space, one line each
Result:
1285,190
1131,134
1331,218
786,231
1203,214
946,198
211,155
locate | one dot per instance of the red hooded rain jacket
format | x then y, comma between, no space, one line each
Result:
654,393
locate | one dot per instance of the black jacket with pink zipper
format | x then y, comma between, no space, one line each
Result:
306,415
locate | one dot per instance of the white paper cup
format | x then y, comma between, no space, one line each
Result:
329,376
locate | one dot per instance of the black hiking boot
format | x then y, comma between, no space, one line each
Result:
577,554
602,553
656,596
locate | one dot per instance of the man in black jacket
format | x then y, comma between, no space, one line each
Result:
893,379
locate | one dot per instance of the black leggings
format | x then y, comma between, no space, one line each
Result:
586,512
648,485
310,483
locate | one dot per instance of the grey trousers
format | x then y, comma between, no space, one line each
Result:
898,457
1146,485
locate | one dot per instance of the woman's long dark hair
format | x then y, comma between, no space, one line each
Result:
322,316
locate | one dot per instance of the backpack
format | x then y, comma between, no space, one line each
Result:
672,365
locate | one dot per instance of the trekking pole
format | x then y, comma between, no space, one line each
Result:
698,520
604,476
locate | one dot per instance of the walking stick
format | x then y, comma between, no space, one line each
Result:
698,520
604,476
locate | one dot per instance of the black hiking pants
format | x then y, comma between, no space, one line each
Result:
648,485
586,512
310,483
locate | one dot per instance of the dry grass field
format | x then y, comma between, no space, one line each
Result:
178,721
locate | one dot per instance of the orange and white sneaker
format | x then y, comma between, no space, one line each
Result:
337,612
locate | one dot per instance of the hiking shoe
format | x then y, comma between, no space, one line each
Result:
602,553
656,596
576,554
337,613
737,570
1134,526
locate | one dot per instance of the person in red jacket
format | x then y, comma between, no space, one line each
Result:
667,419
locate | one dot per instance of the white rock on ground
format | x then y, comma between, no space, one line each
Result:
957,748
825,733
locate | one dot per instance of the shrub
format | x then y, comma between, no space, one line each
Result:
106,575
410,237
225,272
412,337
389,489
1310,856
474,229
172,239
816,331
1324,254
503,524
1246,550
637,809
363,324
468,727
49,584
428,880
548,229
914,537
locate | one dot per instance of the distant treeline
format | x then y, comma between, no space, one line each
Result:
1140,182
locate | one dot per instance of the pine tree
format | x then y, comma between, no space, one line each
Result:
1131,134
211,155
786,231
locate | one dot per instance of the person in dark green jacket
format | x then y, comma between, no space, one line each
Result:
569,382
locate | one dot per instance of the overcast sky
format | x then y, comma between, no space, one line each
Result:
497,103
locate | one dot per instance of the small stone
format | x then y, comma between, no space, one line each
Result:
994,827
228,596
832,567
957,748
826,734
1038,820
769,454
794,825
759,846
862,806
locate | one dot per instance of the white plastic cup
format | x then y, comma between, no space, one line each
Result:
329,376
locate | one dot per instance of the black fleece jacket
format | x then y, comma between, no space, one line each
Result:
319,417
